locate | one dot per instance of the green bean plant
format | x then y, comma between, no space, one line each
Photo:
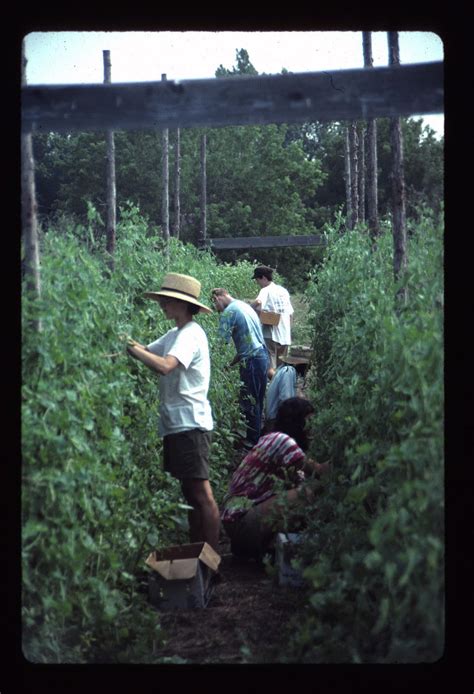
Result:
95,500
373,550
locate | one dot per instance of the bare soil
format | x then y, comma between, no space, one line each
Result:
247,620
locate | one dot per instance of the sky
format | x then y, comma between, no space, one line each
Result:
73,57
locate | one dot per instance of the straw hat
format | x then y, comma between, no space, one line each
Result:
293,361
182,287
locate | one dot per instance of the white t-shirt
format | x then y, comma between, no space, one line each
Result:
277,299
183,392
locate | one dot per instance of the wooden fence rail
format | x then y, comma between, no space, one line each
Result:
296,97
224,243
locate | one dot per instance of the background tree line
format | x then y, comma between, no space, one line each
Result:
261,180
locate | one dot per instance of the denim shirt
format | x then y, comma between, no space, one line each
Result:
281,387
240,322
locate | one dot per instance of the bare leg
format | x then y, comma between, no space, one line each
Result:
204,519
195,526
291,496
273,509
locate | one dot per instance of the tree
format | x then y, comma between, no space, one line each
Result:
243,65
177,185
354,168
371,152
165,217
362,172
203,225
348,177
398,182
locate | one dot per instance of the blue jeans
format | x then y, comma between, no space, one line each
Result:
253,374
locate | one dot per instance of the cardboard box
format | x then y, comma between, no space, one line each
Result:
285,552
181,576
269,318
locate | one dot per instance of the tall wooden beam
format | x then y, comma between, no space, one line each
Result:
111,186
29,220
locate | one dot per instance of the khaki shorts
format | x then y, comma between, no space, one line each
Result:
249,535
275,351
186,454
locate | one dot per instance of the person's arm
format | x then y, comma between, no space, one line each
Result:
226,326
257,303
234,361
311,467
161,365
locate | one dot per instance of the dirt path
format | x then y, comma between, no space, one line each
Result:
248,619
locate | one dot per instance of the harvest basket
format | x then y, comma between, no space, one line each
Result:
269,318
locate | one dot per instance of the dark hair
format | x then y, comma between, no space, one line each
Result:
263,271
291,418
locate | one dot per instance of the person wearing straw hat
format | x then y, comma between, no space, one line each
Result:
181,358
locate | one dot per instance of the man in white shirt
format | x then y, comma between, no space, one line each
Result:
181,359
273,297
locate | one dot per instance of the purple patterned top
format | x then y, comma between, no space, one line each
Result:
276,458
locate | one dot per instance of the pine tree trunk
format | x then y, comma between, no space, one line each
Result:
177,186
111,190
371,153
362,174
347,171
398,183
353,149
372,179
203,226
165,217
29,213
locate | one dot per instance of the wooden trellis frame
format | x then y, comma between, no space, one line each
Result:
340,95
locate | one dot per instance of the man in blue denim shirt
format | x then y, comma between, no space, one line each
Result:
240,322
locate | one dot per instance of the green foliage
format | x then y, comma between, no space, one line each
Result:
374,547
95,499
243,66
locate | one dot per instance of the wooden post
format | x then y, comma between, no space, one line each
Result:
177,186
371,152
353,155
29,211
347,176
165,217
203,225
111,189
398,182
